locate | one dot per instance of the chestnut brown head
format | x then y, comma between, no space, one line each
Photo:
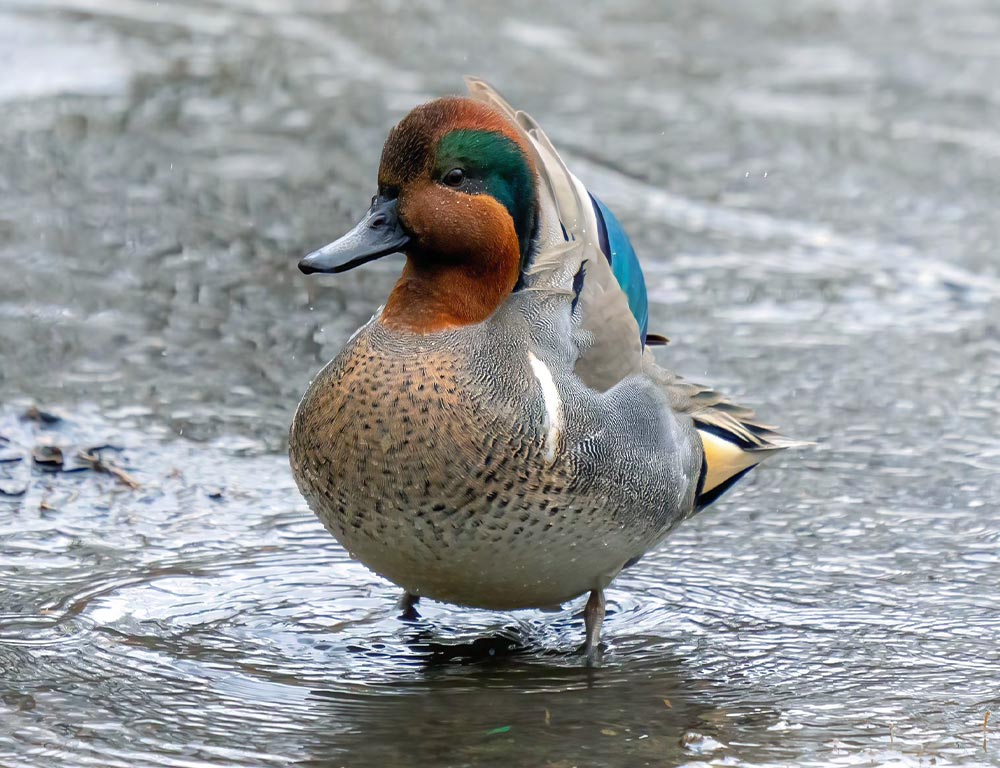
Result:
456,194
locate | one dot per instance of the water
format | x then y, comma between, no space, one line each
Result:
813,191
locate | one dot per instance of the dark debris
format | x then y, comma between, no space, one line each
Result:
48,456
34,413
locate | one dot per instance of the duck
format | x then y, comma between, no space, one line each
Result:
500,434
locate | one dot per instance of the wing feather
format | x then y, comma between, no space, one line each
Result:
605,330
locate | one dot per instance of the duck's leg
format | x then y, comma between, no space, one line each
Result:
593,618
408,607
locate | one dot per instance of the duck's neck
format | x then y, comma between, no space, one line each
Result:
433,295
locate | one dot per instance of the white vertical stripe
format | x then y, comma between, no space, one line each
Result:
553,405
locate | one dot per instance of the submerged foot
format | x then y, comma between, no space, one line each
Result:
408,607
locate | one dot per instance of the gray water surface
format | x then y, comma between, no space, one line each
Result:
814,190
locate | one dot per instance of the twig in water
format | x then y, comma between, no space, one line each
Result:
98,465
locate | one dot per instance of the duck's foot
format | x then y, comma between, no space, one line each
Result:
593,619
408,607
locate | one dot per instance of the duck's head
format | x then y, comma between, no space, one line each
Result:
457,195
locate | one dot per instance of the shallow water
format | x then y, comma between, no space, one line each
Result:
814,194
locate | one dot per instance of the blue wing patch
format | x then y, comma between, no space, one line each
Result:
624,263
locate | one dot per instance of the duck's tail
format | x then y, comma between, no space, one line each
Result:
733,440
732,446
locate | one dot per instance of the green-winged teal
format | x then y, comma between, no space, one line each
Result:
499,434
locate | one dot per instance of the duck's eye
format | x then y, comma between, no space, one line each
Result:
454,177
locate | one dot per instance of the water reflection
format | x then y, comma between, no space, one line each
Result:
488,713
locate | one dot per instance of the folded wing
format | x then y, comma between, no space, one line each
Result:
581,251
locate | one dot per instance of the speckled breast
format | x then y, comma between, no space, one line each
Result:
436,476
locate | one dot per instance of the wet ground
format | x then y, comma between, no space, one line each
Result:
813,188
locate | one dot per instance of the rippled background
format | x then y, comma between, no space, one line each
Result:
813,188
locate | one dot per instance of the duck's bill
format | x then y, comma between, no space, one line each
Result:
378,234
